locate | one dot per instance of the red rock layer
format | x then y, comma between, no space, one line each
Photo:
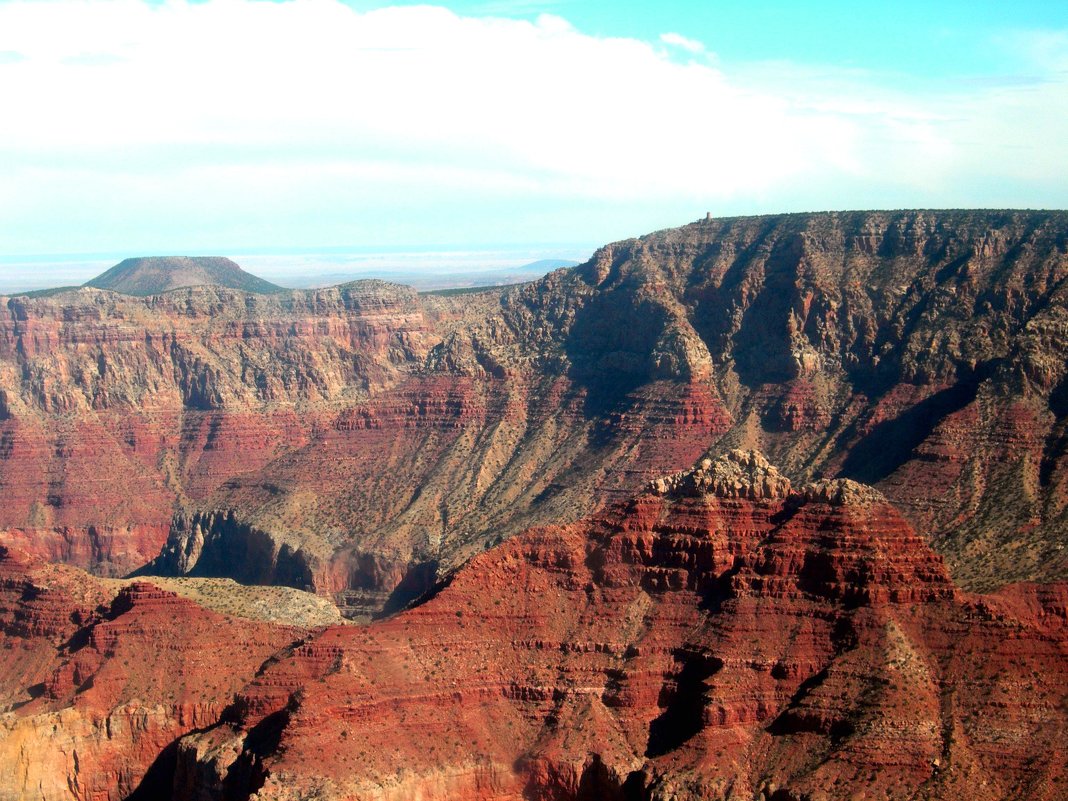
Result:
369,439
720,636
117,408
98,683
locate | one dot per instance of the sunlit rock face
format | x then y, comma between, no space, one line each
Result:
364,441
733,641
98,679
723,632
703,518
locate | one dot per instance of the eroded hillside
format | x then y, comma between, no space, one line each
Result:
365,440
722,634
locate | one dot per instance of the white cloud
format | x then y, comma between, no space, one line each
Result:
678,40
308,118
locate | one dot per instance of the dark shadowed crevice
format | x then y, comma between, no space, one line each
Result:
418,583
891,443
1052,453
762,348
789,721
609,347
713,304
716,591
435,587
1058,399
683,701
1056,443
953,268
231,548
635,786
598,783
247,774
158,781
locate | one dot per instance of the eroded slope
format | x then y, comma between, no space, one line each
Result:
154,275
364,440
721,635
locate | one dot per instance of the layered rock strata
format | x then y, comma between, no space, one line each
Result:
365,440
99,679
720,636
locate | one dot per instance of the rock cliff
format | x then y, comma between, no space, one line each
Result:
365,440
100,678
719,635
702,640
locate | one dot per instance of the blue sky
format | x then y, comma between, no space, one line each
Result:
231,125
945,38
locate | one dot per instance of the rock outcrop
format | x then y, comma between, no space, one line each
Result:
719,640
726,642
365,440
738,474
98,680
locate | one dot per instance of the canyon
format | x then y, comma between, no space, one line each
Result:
719,635
529,542
364,440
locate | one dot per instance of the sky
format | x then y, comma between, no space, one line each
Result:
130,127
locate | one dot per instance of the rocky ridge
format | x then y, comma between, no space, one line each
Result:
741,474
736,641
100,678
365,440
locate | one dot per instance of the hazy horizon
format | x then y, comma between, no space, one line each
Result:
303,268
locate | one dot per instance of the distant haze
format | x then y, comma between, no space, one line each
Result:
421,269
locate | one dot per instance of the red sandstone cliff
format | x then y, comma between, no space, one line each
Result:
365,440
98,680
718,636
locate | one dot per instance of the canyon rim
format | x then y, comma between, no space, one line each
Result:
765,507
533,400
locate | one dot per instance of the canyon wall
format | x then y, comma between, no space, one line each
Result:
364,441
722,634
101,678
